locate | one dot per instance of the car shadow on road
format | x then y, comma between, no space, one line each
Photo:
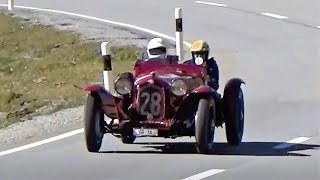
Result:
245,149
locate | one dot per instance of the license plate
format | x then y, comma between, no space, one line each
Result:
145,132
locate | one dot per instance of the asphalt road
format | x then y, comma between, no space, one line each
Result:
278,59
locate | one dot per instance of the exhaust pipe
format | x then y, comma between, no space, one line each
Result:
179,33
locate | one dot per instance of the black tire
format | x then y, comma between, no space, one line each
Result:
204,127
128,137
93,119
234,116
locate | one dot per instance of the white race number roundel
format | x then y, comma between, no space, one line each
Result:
199,61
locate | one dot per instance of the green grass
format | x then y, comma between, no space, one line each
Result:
39,64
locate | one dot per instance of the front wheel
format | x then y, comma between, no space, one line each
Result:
93,121
234,114
204,128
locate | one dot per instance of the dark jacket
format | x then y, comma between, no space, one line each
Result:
213,72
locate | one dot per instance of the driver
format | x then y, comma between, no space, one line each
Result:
201,49
156,48
156,52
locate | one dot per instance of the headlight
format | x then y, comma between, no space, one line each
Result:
123,86
179,87
196,82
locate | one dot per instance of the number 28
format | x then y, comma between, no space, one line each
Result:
154,100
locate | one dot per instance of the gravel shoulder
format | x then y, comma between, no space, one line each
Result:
41,127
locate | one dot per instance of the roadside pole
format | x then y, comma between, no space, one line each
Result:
107,65
10,5
179,33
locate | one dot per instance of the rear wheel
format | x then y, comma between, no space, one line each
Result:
234,116
93,121
204,126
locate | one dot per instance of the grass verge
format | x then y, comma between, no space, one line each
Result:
42,69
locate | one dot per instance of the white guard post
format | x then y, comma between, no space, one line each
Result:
179,33
10,5
106,55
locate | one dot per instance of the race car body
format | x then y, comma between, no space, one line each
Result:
161,98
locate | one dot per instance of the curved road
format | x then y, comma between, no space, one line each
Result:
277,56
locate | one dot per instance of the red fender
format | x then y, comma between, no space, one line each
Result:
201,90
190,101
110,103
93,88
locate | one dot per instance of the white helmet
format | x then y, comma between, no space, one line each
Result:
156,48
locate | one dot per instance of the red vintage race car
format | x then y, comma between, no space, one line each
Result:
163,98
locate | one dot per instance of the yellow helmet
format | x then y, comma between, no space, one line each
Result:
199,46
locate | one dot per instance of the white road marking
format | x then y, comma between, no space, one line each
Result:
211,3
62,136
224,5
103,20
292,142
205,174
46,141
274,15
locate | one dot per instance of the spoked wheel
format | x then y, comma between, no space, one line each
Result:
204,126
93,123
234,113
